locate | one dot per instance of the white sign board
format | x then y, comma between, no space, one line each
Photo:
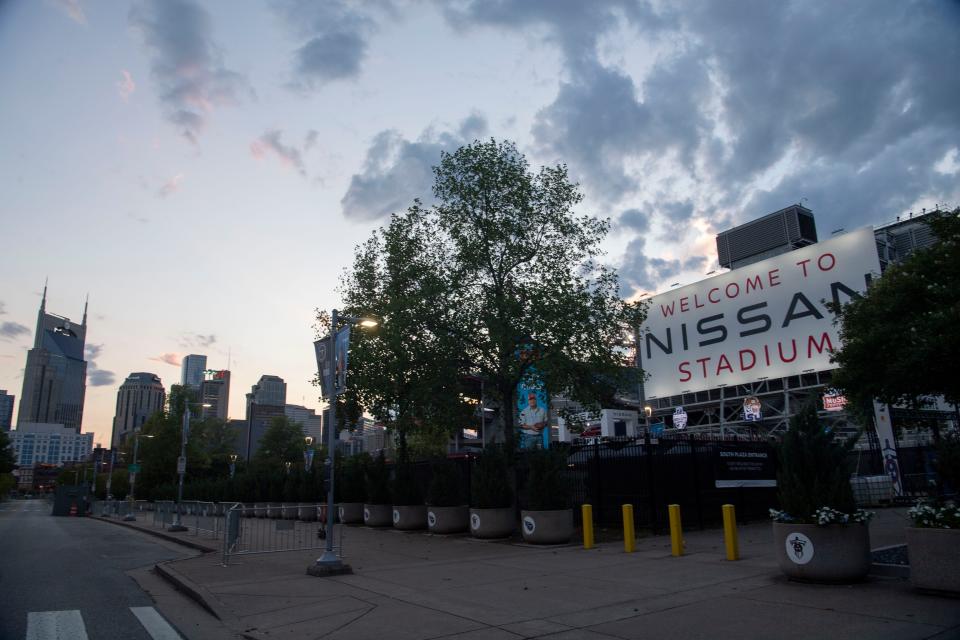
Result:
765,320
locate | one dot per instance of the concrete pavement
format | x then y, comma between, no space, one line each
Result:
418,586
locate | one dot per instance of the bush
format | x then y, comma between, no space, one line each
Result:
351,484
490,482
446,485
814,470
947,462
406,489
378,481
548,482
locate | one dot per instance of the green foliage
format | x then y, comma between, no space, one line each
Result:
814,468
490,480
282,442
8,461
405,489
500,264
548,481
900,341
7,483
351,481
446,485
947,462
378,481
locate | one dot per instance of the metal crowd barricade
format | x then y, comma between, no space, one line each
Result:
245,533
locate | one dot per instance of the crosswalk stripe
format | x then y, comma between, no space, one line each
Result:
153,622
55,625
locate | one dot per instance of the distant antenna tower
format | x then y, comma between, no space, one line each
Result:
229,354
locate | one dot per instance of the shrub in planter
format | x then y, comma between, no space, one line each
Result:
547,517
409,511
819,535
932,544
351,488
447,511
377,511
491,508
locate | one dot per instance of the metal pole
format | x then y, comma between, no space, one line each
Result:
177,526
483,418
133,479
329,558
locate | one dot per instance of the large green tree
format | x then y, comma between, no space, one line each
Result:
501,265
282,442
901,340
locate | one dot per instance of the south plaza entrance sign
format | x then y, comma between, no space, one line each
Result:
765,320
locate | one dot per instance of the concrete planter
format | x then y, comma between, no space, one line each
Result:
307,512
260,509
289,510
934,559
350,512
830,554
547,527
274,509
448,519
377,515
491,523
410,517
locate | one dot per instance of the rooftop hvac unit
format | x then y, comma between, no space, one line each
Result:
771,235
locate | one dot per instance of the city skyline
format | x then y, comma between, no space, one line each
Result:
204,170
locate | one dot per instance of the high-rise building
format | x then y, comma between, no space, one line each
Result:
55,378
191,371
140,396
6,410
45,443
215,391
306,418
266,401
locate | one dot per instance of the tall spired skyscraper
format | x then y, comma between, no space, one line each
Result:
55,378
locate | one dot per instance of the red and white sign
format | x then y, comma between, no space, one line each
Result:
834,402
765,320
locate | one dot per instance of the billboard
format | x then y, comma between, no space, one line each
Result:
764,320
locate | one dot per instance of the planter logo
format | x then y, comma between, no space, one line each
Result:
340,513
474,521
432,519
366,514
529,526
799,548
396,516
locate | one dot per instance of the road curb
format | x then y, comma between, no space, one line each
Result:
159,534
188,587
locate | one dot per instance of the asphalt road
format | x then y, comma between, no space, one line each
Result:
70,565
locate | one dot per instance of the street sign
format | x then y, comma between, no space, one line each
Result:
181,464
133,468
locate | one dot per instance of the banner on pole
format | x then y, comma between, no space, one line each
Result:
343,354
888,448
324,365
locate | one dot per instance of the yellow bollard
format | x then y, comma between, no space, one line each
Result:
629,539
587,516
676,531
730,532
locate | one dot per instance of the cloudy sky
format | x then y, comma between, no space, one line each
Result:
204,169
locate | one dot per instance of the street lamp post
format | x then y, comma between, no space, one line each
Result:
329,563
233,464
182,464
133,475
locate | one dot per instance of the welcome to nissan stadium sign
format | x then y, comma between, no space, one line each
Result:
766,320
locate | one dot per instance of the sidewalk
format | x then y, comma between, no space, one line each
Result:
414,585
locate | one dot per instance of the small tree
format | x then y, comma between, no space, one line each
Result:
490,481
548,482
446,485
814,468
351,482
405,490
378,481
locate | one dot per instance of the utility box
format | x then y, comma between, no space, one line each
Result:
618,423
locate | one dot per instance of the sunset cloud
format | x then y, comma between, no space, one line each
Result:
172,359
126,85
171,186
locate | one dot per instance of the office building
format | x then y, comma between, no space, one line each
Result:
6,410
47,443
191,371
215,391
140,396
306,418
55,377
267,400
